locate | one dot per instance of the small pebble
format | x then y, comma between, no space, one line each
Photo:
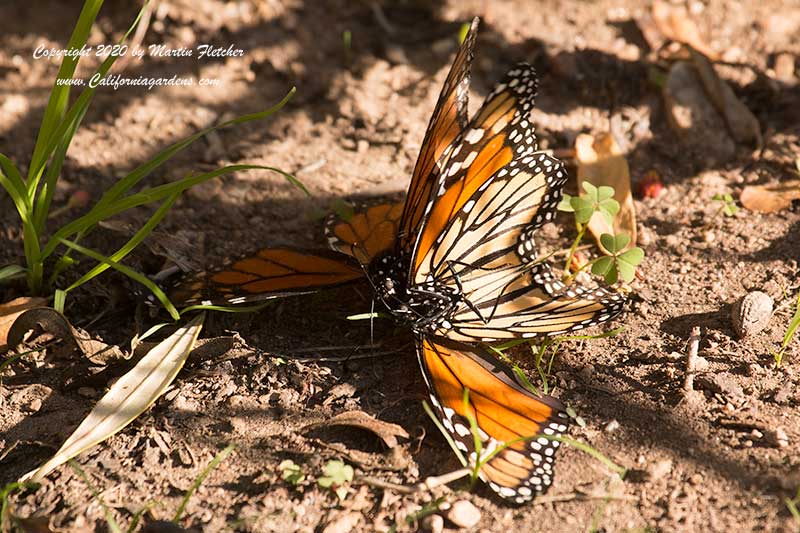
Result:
464,514
751,314
778,438
35,405
87,392
756,434
709,237
660,469
433,523
612,426
362,146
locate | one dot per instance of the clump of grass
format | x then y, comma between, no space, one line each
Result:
617,261
48,251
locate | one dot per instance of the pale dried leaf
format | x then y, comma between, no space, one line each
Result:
387,431
600,162
742,123
9,312
770,198
674,22
128,397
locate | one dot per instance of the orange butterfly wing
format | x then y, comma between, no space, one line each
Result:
447,122
499,133
269,273
365,235
505,412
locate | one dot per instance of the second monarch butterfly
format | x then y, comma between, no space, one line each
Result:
457,262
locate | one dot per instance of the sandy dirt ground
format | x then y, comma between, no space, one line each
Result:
724,461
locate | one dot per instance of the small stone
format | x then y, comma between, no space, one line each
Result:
660,469
35,405
87,392
709,237
784,67
777,437
696,479
751,314
464,514
362,146
612,426
433,523
756,434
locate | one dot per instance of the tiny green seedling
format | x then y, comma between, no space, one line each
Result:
617,263
7,519
214,463
728,207
794,324
621,263
338,476
291,472
792,504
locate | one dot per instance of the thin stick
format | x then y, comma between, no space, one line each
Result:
691,360
579,496
427,484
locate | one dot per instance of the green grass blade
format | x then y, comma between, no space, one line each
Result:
132,243
154,194
59,299
136,276
226,309
790,331
11,180
142,171
10,272
59,95
221,456
112,524
446,434
62,134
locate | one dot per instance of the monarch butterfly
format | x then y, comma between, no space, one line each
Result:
457,262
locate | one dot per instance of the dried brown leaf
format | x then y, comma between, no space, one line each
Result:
9,312
770,198
386,431
674,22
600,162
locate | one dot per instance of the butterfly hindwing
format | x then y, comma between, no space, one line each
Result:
367,234
505,412
268,273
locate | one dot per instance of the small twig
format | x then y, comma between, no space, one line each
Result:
138,37
428,483
380,18
691,359
580,496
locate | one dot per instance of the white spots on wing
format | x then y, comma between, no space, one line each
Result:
469,159
474,135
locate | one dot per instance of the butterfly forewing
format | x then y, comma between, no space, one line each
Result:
500,134
505,411
447,122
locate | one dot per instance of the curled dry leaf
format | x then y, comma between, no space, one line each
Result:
741,122
386,431
9,312
770,198
600,162
674,22
48,321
